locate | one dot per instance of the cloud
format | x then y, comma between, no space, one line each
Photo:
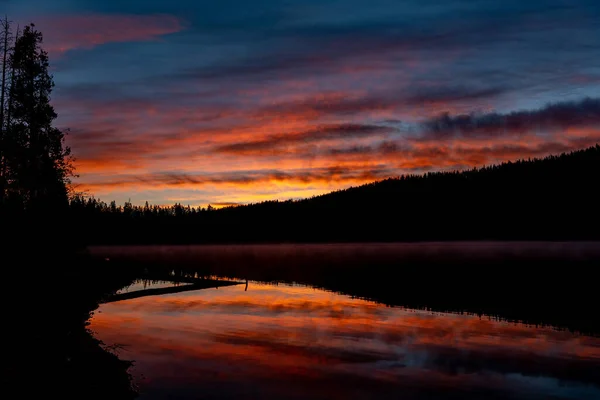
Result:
106,149
63,33
326,132
338,174
224,204
431,40
393,99
557,117
449,94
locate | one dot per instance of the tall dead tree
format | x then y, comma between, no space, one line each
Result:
5,39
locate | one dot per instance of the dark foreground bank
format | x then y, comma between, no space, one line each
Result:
48,352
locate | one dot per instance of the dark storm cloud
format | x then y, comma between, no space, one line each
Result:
549,119
460,157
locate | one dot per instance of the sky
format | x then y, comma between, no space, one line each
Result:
232,101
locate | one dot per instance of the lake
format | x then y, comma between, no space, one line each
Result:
462,320
282,341
549,283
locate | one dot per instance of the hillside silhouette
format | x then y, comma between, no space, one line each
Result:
554,198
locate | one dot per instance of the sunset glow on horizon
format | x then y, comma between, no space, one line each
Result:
234,102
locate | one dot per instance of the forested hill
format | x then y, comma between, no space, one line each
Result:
552,198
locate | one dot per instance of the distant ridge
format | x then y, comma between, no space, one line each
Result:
551,198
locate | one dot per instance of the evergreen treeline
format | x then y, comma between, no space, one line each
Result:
551,198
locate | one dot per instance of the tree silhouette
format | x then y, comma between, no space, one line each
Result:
5,38
38,165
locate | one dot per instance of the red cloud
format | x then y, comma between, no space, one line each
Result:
64,33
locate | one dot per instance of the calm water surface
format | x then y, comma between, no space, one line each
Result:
290,341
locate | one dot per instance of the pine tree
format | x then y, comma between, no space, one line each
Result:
39,162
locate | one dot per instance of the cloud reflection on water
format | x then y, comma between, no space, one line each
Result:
280,341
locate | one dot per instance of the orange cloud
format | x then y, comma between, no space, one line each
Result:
338,174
